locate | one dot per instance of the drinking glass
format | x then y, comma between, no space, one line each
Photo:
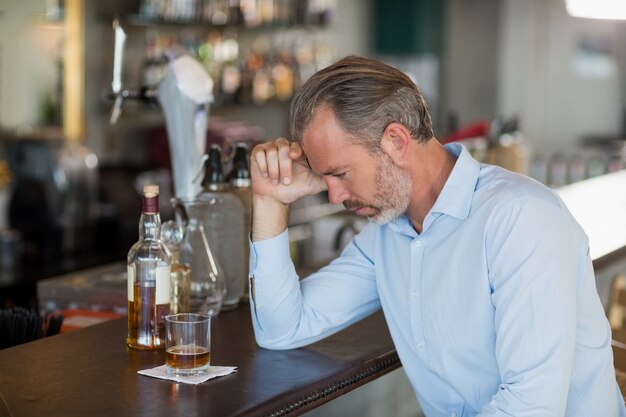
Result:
188,344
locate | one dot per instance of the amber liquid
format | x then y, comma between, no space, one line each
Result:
187,356
146,319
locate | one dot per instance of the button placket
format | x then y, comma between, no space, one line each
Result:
417,256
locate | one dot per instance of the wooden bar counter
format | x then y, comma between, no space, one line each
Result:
91,372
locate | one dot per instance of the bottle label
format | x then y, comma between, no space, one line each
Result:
162,276
131,282
163,284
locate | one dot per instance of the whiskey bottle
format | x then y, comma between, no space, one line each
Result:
149,264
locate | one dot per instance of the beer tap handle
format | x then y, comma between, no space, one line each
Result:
116,84
117,109
118,56
118,93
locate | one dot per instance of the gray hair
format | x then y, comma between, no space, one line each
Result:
365,95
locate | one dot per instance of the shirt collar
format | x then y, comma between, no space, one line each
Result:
456,195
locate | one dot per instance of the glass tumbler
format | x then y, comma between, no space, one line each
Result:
188,344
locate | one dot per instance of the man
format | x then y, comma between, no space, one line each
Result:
483,275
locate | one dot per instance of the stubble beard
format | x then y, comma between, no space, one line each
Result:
393,192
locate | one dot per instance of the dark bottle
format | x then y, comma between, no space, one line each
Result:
213,173
239,175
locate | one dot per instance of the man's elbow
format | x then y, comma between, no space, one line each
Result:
276,343
271,346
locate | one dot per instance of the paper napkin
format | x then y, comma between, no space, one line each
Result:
214,372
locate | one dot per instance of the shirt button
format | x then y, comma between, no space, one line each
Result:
452,414
418,243
420,344
414,294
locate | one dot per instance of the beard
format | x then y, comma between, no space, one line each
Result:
393,193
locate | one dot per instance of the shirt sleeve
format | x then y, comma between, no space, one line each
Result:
288,312
534,280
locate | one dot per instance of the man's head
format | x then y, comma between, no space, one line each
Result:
365,96
356,121
369,183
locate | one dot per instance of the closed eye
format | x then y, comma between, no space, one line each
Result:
339,175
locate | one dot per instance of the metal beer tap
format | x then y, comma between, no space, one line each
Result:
119,93
184,95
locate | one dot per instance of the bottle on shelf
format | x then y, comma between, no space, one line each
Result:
558,171
283,76
596,166
576,169
230,71
244,13
149,265
266,70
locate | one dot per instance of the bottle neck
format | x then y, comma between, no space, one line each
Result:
150,222
213,175
149,226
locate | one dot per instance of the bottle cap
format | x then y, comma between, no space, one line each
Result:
151,199
150,190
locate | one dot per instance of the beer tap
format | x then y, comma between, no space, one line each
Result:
116,84
118,93
184,95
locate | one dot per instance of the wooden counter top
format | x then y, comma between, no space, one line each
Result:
90,372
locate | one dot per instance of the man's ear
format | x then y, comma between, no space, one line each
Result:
395,142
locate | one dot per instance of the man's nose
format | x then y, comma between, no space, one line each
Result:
337,194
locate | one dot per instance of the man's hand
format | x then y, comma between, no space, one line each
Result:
279,170
280,176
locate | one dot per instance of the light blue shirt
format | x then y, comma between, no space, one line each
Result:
493,308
